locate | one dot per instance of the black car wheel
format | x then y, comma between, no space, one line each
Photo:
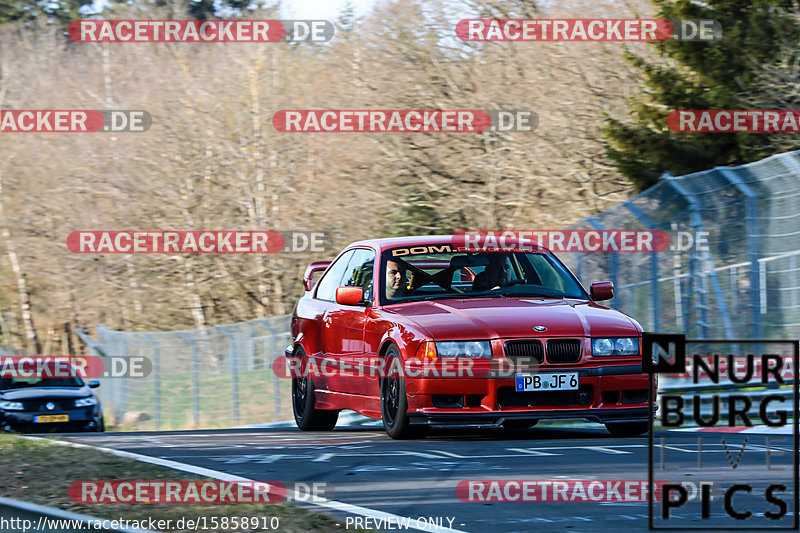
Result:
394,403
306,415
627,429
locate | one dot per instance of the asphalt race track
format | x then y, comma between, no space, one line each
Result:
418,478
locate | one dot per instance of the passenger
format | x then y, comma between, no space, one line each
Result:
497,274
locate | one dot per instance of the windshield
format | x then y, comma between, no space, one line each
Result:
447,274
23,383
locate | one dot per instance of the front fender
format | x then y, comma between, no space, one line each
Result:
406,338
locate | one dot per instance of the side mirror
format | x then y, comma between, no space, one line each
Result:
602,290
349,295
308,275
94,384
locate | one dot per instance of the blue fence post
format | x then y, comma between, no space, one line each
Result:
751,226
123,386
234,371
195,378
156,379
654,293
696,223
250,348
276,391
613,264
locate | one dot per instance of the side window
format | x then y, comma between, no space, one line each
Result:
332,279
360,271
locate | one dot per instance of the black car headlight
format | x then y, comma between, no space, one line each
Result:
471,349
85,402
11,406
615,346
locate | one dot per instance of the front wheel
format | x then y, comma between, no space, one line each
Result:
306,415
394,403
627,429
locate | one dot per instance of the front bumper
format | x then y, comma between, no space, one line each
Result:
80,419
606,394
497,418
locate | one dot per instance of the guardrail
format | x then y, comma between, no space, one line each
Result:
219,376
733,266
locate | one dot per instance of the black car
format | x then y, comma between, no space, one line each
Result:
42,405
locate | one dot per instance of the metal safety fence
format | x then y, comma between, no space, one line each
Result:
739,277
213,377
740,281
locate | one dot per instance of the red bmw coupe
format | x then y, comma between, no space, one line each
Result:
423,332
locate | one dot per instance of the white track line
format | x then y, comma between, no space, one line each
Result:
222,476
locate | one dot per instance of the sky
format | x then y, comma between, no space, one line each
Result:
321,9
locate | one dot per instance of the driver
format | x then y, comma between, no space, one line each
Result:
395,280
497,274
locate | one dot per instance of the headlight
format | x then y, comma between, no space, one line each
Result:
618,346
85,402
472,349
11,406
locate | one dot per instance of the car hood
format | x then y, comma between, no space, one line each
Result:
515,317
45,392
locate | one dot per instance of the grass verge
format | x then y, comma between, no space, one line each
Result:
41,472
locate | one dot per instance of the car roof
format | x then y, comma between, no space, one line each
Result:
423,240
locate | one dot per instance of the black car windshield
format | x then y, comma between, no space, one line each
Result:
434,275
25,383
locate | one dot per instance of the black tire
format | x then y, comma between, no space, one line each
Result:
306,415
627,429
394,403
101,427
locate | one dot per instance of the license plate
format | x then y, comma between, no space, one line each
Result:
41,419
539,382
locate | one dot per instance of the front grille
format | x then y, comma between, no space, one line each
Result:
564,350
39,404
509,397
525,351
